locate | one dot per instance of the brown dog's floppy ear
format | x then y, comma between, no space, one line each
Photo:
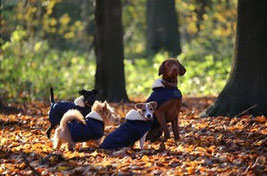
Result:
161,68
154,104
182,70
139,105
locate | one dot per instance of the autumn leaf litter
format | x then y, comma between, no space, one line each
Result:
207,146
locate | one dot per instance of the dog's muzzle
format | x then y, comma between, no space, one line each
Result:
149,116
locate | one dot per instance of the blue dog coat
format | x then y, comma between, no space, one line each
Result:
58,109
94,128
161,94
128,133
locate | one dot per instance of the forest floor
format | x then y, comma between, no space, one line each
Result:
207,146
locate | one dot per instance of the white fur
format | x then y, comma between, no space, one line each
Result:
94,115
134,115
142,141
148,112
158,83
79,101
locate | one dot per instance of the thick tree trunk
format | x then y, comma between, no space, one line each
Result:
162,27
109,78
247,84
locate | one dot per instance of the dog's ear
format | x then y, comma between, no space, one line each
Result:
182,70
161,68
82,92
94,91
139,105
105,103
154,104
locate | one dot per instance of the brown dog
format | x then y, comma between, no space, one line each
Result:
169,103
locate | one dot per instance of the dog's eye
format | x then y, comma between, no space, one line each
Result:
143,110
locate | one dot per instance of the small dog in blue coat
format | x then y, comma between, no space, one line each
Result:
57,109
75,128
138,123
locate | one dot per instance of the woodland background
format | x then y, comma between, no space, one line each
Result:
51,43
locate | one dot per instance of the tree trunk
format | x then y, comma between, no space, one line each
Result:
247,84
109,78
162,27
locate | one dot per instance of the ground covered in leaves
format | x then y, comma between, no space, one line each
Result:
207,146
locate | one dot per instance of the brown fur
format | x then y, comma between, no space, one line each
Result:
105,111
62,134
169,111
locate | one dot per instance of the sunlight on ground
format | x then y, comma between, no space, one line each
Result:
207,146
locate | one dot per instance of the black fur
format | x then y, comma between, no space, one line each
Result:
89,96
52,100
58,109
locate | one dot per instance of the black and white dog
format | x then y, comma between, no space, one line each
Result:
138,123
58,109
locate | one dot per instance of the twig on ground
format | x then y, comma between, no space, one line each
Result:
35,172
245,111
251,166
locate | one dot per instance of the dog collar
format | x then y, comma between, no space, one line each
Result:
158,83
134,115
79,101
94,115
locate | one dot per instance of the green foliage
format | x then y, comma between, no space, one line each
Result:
141,74
204,76
50,44
29,67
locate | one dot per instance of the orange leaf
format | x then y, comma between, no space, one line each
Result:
260,119
145,158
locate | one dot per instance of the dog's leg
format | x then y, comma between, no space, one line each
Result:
154,134
57,143
142,141
56,140
49,130
175,129
161,119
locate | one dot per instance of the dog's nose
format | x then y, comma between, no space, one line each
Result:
148,116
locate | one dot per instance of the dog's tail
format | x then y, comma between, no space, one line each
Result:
70,115
52,95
